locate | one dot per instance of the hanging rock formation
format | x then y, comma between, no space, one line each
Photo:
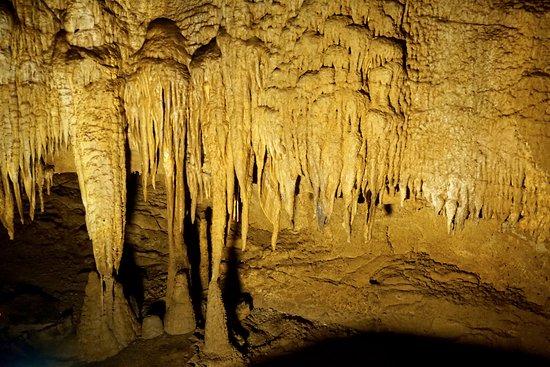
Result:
371,101
156,108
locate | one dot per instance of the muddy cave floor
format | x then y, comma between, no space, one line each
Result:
43,276
279,340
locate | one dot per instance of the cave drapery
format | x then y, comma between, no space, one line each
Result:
363,100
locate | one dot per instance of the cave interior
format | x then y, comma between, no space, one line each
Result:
274,182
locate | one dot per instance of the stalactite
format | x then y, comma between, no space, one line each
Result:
357,43
6,207
325,97
39,120
158,132
98,144
30,133
208,108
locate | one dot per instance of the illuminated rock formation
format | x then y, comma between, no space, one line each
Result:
440,102
107,324
155,98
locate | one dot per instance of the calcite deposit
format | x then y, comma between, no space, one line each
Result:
354,107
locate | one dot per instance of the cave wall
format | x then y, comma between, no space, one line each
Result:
477,286
479,103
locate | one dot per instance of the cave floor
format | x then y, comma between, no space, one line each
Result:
44,271
165,350
276,339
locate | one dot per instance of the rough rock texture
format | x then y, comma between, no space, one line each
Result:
151,327
480,104
107,324
413,278
357,104
469,287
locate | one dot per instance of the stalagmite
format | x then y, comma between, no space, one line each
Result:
107,323
158,133
208,91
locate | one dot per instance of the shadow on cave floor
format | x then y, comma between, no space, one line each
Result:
388,349
130,274
234,297
379,349
131,277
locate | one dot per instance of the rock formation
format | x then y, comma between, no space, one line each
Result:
374,103
107,324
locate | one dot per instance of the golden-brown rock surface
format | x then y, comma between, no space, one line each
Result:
360,104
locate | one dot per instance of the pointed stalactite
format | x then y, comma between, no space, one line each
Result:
6,206
270,200
98,145
28,133
208,108
156,104
243,84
